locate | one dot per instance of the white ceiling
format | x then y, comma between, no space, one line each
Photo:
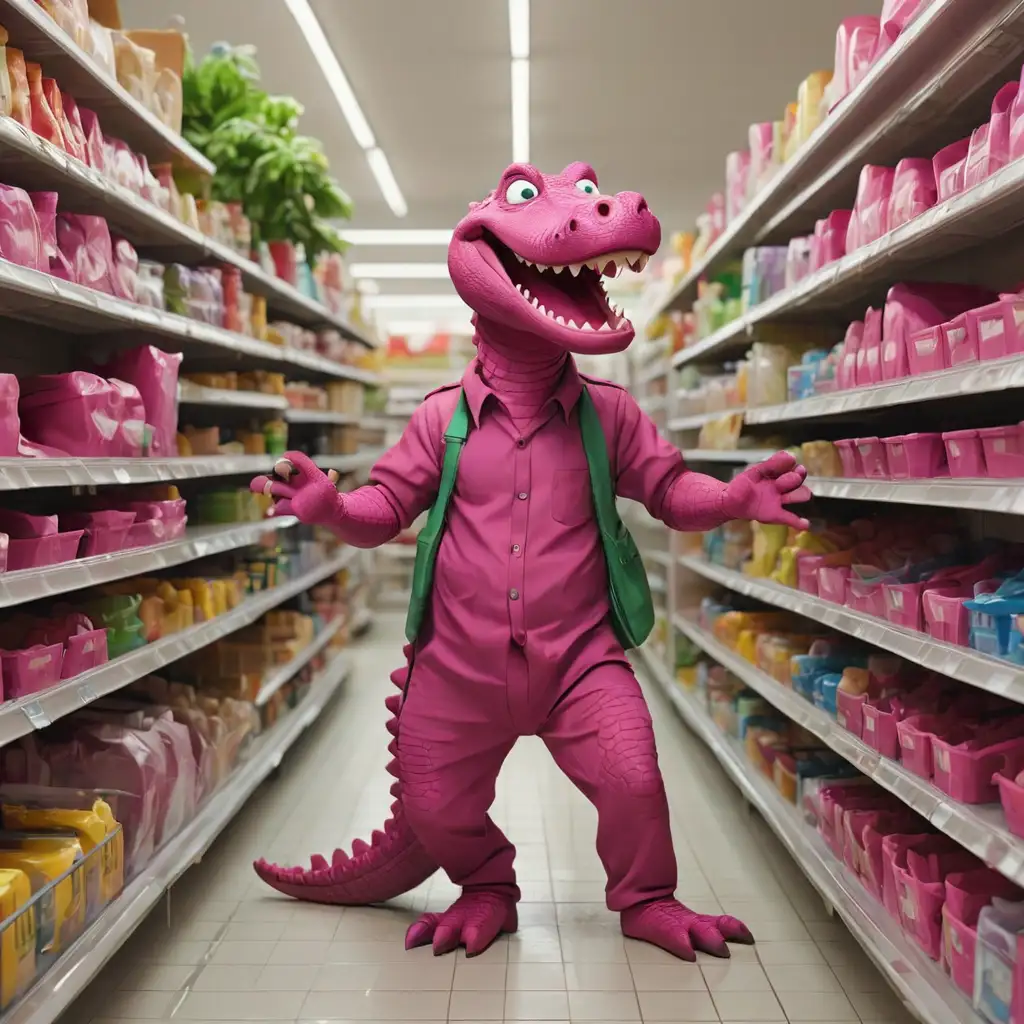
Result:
653,93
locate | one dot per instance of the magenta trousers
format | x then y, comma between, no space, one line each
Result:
454,736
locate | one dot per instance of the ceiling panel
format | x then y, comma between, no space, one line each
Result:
653,93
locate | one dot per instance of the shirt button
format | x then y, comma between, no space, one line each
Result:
521,443
515,549
522,495
514,594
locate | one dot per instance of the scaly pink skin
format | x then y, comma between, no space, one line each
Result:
528,260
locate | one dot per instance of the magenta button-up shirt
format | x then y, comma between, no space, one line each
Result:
521,558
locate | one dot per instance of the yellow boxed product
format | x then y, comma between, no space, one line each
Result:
18,942
48,860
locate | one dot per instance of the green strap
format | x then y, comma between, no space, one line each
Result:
629,591
632,609
429,540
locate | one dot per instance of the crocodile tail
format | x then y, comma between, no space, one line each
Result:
390,864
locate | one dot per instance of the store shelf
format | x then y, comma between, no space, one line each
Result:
969,666
199,542
987,211
403,551
69,976
121,115
290,669
920,983
39,298
980,495
19,474
961,382
748,455
30,161
340,419
980,829
196,394
660,558
21,717
697,420
953,51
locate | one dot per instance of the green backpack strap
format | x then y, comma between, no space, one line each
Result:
429,540
629,592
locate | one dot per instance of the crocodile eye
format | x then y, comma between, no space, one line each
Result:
520,192
588,186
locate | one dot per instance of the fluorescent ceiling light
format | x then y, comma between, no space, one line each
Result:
428,301
519,28
520,111
339,85
397,236
386,181
401,271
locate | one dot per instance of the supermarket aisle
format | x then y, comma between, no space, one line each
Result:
233,952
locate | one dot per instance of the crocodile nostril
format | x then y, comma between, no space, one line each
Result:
641,206
573,225
603,209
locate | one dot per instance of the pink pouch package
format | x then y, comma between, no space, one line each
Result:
45,204
95,148
85,242
913,191
990,143
870,220
78,413
950,163
896,15
869,354
856,41
10,423
155,374
21,241
125,273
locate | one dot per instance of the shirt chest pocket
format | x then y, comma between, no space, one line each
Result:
572,504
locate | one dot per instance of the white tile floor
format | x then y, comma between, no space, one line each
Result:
227,950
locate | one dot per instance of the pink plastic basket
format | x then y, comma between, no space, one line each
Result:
916,733
925,351
84,651
998,328
965,455
960,341
945,616
881,719
915,456
873,458
832,583
31,670
850,458
1004,451
36,552
1011,796
967,774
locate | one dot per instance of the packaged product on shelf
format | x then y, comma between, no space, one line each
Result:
17,935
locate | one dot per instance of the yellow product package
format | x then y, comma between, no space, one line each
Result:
48,860
768,540
104,874
18,942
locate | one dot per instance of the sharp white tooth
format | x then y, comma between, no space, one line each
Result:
575,268
605,327
586,326
518,257
558,270
526,293
541,309
561,320
519,288
642,262
571,323
541,267
535,302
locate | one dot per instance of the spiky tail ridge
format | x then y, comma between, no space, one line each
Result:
390,864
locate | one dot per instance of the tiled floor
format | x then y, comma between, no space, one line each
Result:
226,950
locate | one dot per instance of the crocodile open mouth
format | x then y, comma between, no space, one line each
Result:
571,295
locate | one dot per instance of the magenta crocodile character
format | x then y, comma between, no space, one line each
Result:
517,638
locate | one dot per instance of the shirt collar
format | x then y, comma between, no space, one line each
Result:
567,394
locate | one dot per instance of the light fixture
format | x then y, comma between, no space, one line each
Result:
339,85
425,301
401,271
381,170
521,111
396,236
519,28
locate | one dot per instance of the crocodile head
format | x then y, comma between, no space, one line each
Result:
532,255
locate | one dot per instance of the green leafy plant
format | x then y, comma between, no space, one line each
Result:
280,177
